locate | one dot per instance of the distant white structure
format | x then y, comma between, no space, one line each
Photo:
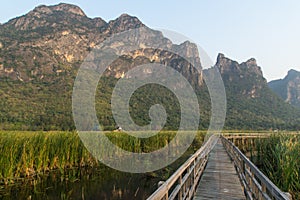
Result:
119,128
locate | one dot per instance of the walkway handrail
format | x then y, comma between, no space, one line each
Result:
256,184
183,183
249,136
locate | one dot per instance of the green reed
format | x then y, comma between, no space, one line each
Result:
149,144
279,158
27,154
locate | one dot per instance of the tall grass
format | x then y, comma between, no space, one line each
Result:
146,145
279,158
26,154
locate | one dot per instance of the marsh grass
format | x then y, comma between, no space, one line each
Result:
28,154
146,145
25,154
279,158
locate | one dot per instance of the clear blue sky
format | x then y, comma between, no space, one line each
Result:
267,30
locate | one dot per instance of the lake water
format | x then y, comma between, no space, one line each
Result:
101,183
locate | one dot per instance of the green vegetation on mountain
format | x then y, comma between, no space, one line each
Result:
288,88
41,52
250,102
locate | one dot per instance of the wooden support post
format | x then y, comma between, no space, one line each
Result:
243,166
180,192
251,183
288,195
194,177
263,188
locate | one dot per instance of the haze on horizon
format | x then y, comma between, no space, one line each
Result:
267,31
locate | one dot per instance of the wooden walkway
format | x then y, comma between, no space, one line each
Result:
220,179
210,173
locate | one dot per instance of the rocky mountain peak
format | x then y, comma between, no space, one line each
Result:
247,74
68,8
251,62
220,57
47,16
41,9
288,88
292,74
251,66
125,22
227,65
190,49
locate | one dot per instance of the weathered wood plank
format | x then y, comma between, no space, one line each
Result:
220,179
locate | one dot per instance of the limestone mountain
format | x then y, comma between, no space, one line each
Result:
41,52
53,40
247,76
250,102
288,88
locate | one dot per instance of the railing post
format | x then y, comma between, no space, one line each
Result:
263,190
288,195
243,166
251,184
180,191
194,178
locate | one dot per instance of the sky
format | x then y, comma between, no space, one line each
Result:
268,30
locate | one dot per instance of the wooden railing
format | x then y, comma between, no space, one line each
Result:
183,183
256,184
232,136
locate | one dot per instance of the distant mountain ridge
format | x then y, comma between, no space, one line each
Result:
41,52
250,101
288,88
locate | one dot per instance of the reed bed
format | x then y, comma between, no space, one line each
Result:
279,158
146,145
27,154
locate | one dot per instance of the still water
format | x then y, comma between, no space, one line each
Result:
101,183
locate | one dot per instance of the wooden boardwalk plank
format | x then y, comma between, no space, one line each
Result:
220,179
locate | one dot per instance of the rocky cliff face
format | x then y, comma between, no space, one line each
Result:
250,102
53,41
245,78
288,88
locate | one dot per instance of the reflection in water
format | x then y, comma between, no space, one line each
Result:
91,183
104,183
